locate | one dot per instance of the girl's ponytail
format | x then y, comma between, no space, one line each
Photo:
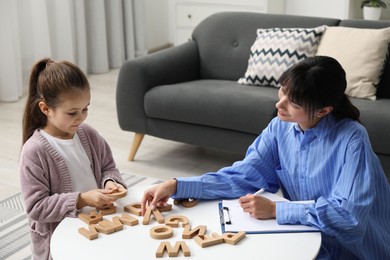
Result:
33,118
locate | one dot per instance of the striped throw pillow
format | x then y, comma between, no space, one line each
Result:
277,49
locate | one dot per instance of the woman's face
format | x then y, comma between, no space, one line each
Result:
64,120
289,111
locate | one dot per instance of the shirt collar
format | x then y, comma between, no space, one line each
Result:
321,129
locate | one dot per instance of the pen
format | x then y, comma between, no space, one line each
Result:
257,193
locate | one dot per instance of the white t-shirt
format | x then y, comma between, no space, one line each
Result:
76,160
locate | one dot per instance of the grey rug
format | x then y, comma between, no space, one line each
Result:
14,232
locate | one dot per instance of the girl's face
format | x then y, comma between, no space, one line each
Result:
67,116
288,111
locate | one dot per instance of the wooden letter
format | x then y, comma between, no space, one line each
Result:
107,209
167,207
172,252
105,227
161,232
187,203
206,241
134,208
157,216
89,233
92,218
232,238
120,193
188,233
173,221
117,225
125,219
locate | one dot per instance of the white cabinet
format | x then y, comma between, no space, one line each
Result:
185,15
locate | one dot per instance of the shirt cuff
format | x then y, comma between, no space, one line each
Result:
188,187
291,213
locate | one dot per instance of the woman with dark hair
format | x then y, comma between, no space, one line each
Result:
314,150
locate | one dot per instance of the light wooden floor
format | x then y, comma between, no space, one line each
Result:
156,157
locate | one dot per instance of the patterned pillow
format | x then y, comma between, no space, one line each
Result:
277,49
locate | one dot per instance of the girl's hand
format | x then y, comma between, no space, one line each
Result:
258,206
158,194
95,198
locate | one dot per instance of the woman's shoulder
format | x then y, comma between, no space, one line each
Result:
351,125
352,128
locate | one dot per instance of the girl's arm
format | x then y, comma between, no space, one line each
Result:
102,159
110,173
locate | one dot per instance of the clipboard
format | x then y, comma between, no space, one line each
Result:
233,219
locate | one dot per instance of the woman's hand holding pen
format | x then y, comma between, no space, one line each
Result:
258,206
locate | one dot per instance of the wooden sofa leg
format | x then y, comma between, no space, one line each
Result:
136,143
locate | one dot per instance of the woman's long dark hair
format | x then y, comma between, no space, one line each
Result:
48,80
317,82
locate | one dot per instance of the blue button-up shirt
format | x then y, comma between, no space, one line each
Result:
332,164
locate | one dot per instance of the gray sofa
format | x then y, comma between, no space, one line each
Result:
189,93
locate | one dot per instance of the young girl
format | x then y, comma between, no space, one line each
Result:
315,149
65,165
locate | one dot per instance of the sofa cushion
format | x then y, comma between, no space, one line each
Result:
217,103
277,49
383,89
375,116
363,63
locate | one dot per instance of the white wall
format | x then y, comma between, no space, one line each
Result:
342,9
158,20
321,8
157,23
386,12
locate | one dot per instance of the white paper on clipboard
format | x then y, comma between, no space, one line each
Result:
237,220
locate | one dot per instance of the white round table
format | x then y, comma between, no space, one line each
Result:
134,242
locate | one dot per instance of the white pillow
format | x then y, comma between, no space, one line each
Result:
277,49
361,52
